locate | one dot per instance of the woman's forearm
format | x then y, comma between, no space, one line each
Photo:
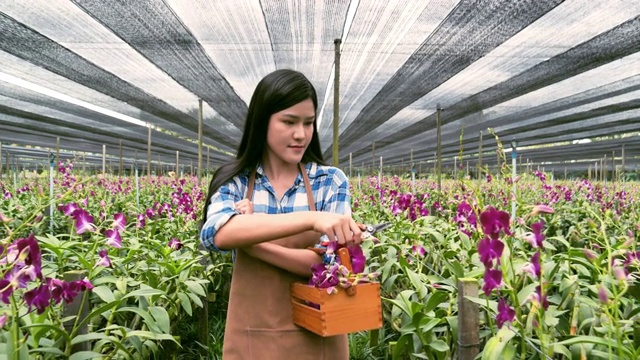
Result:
297,261
246,230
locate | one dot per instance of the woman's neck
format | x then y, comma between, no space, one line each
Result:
278,171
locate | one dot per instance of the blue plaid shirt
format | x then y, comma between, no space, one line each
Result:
329,186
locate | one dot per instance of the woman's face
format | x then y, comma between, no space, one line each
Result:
289,133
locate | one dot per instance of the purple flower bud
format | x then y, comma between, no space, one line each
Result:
589,254
602,295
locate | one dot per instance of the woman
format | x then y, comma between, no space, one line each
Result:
262,206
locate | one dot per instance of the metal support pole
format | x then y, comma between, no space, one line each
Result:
57,152
104,159
1,160
350,164
480,157
514,157
177,163
199,139
439,144
120,167
623,175
149,151
336,101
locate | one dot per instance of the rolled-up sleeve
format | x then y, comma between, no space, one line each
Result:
221,209
338,197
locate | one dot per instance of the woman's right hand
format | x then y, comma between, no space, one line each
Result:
336,226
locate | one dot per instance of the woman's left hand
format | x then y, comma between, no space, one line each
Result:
244,206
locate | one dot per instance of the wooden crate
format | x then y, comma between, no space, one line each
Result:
339,313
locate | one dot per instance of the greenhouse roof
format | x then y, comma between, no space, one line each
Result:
541,72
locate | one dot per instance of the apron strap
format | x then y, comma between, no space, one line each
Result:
305,178
307,187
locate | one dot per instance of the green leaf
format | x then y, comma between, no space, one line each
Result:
162,318
53,328
196,299
597,341
525,292
46,350
496,345
85,355
195,288
104,293
435,299
439,345
144,292
88,337
96,312
493,305
186,303
148,319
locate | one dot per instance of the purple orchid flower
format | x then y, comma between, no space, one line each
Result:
6,289
542,300
536,237
69,209
541,209
492,280
493,221
38,297
418,250
113,238
119,221
175,244
489,250
533,267
505,313
84,221
104,259
3,320
357,259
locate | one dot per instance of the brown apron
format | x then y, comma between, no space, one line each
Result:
259,321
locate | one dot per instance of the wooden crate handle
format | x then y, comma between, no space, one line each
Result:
345,260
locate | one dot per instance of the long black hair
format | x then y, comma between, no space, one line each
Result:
277,91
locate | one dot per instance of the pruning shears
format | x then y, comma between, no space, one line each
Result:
368,232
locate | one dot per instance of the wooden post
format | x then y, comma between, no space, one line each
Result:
468,320
149,151
439,145
480,157
77,307
199,140
336,101
120,167
104,159
613,166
